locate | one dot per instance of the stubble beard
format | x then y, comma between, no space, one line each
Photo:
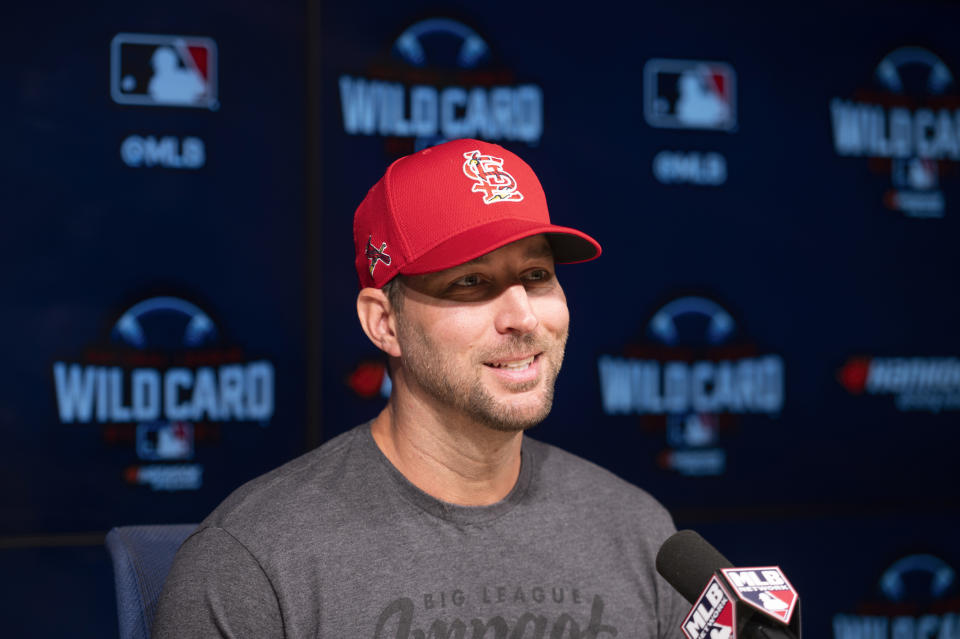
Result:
423,362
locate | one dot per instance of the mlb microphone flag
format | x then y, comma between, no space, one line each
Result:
727,607
713,615
765,589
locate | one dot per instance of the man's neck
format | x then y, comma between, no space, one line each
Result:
455,460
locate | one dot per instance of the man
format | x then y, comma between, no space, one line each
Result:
440,518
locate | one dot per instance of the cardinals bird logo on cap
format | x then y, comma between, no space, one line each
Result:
376,255
490,179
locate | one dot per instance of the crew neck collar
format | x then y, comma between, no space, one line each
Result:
455,513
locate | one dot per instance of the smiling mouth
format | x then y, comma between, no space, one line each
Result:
513,365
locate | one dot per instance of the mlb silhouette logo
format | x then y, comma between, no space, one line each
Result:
164,441
689,94
163,70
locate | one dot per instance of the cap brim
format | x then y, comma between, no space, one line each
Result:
569,245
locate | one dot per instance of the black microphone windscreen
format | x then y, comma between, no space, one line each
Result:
687,561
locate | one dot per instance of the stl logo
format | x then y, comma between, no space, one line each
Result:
376,255
163,70
490,179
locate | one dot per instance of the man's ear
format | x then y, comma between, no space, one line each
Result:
378,319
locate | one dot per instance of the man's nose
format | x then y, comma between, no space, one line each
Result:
515,314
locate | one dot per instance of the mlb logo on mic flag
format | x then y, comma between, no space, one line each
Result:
163,70
766,589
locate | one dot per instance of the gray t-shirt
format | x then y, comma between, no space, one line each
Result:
337,543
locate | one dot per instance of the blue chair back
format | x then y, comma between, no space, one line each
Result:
142,556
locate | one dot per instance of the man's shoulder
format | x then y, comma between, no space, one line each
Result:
294,492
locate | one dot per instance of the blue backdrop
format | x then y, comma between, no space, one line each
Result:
768,343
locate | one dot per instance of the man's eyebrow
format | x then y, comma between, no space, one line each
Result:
478,260
540,250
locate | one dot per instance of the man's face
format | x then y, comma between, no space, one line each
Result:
486,339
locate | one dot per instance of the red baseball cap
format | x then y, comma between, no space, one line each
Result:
452,203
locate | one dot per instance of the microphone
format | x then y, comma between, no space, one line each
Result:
687,561
725,599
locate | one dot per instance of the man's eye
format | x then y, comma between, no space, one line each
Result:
468,281
538,275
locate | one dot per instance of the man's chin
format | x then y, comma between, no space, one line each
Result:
510,426
512,390
513,416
